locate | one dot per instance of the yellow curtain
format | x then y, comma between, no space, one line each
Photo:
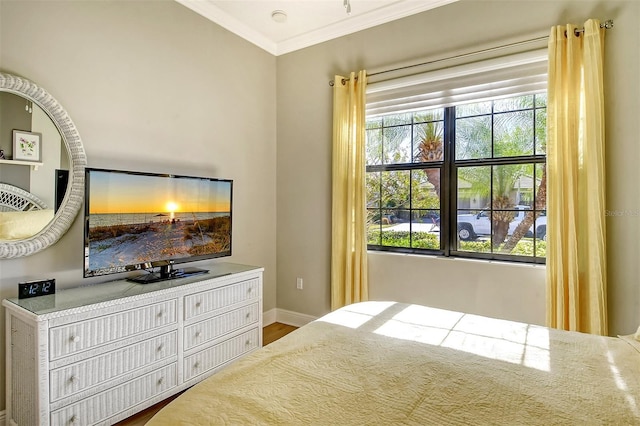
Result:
348,233
576,252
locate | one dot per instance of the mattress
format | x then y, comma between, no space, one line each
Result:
391,363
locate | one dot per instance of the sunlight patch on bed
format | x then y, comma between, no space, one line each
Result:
402,330
347,319
429,317
621,384
500,349
369,308
354,316
508,341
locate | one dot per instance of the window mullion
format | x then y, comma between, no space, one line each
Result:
449,185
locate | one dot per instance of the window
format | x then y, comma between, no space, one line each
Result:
466,180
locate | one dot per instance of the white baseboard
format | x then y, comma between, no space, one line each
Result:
286,317
293,318
269,317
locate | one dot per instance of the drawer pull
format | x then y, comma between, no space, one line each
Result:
248,315
160,380
73,379
196,364
198,304
160,314
160,347
250,290
198,333
248,342
73,419
75,339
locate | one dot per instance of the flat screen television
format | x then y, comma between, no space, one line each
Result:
152,222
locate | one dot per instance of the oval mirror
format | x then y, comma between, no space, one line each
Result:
40,153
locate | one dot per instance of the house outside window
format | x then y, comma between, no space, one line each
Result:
462,180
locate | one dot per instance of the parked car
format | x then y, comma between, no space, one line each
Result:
471,226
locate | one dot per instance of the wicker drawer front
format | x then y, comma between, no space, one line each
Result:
207,301
220,325
77,377
219,354
80,336
111,402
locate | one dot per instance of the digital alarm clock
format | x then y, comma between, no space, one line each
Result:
35,288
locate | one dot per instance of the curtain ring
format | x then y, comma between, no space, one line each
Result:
576,32
343,81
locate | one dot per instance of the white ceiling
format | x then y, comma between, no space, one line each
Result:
308,22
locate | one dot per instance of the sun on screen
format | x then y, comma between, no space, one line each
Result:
171,208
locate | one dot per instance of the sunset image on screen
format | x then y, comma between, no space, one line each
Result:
135,218
130,193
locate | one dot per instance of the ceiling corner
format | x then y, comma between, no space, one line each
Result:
228,22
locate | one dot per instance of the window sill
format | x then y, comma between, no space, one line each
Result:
419,257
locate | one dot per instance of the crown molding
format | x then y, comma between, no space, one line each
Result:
230,23
354,24
348,25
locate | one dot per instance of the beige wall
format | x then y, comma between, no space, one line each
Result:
507,291
151,86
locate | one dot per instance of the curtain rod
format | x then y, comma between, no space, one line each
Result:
607,25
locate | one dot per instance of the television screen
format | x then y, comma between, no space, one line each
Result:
144,221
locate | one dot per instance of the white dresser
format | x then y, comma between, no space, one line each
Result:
99,354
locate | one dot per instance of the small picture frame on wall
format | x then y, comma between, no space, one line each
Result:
27,146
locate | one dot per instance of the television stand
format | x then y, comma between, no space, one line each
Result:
187,272
166,272
151,277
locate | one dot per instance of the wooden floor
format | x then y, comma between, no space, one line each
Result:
270,334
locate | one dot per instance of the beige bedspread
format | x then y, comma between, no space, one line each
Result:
380,363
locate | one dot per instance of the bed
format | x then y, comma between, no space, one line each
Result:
387,363
22,214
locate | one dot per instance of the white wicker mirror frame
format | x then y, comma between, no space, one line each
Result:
74,195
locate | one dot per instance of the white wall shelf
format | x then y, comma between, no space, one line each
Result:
33,164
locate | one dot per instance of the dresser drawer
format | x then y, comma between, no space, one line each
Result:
109,403
212,328
73,338
219,354
208,301
83,375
